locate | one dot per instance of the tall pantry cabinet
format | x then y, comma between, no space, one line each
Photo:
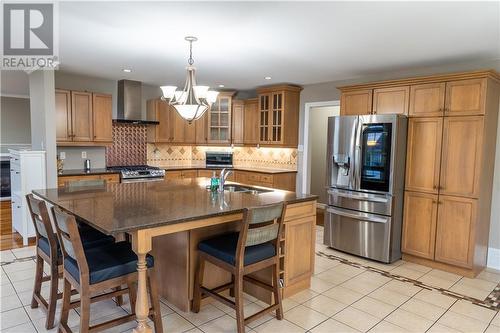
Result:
452,131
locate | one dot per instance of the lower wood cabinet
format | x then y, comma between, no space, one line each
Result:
419,229
282,181
181,174
109,178
455,232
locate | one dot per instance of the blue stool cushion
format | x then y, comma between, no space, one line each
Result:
107,261
223,247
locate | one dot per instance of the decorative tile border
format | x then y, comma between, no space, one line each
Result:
491,302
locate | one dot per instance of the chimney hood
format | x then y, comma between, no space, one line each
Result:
130,103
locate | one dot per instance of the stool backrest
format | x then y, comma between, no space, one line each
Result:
41,221
260,225
69,238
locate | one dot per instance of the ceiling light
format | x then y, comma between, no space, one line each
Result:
192,101
267,78
221,86
127,70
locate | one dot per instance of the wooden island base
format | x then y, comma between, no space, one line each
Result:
176,257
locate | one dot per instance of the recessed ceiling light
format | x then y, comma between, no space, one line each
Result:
221,86
127,70
267,78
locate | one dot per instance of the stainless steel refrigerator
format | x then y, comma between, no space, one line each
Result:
365,174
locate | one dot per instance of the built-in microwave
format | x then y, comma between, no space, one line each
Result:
216,159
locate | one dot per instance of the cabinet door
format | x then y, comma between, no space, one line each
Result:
251,122
461,156
201,129
162,132
238,122
465,97
419,224
277,113
423,154
300,237
264,118
189,132
356,102
177,126
219,120
63,116
391,100
427,100
455,230
103,113
81,116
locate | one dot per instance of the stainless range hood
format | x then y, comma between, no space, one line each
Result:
130,103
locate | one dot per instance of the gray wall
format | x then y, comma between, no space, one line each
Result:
318,120
74,160
15,120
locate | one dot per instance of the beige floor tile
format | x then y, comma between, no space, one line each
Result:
325,262
125,327
374,307
348,270
28,274
438,328
496,320
477,312
333,326
409,321
435,298
333,277
23,285
357,319
363,287
478,283
404,288
387,327
207,312
389,297
289,304
24,252
462,323
319,285
14,317
435,281
477,293
9,302
492,329
19,266
406,272
278,326
7,256
344,295
224,324
194,330
175,324
423,309
7,290
326,305
416,267
305,317
303,296
23,328
489,276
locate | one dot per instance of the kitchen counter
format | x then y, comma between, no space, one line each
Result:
240,168
81,172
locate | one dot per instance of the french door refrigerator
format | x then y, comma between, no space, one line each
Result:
365,175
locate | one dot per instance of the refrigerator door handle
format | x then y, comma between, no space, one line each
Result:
358,216
358,197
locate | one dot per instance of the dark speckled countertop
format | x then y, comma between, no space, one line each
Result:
125,207
81,172
241,168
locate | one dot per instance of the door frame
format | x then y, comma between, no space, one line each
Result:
305,180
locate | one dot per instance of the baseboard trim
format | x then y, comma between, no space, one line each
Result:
493,258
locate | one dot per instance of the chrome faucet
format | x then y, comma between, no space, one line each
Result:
222,178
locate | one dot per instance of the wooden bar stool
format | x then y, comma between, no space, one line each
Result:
93,271
253,248
49,251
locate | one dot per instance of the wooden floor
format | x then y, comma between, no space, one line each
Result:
13,241
320,216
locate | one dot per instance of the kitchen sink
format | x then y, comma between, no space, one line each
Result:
244,189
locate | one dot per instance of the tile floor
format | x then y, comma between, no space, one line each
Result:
342,298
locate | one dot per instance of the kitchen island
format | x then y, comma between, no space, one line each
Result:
169,218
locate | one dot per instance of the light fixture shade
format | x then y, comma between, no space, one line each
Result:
200,91
212,96
180,96
191,112
168,91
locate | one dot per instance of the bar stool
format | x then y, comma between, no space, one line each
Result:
93,271
49,251
252,249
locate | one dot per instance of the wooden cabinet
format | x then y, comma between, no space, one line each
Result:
219,119
465,97
181,174
356,102
109,178
282,181
172,128
102,111
238,122
83,118
201,129
279,115
251,122
456,231
393,100
461,156
419,228
427,99
423,154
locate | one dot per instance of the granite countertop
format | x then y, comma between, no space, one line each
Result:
81,172
125,207
202,166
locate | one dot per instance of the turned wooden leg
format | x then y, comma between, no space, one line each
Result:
155,301
51,309
276,291
142,303
63,323
198,283
238,290
38,281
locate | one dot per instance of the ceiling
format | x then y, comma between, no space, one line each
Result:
241,43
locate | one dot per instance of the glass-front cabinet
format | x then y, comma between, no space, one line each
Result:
219,119
271,118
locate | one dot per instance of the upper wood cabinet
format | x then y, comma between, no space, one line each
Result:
201,129
102,110
465,97
392,100
83,118
358,102
219,119
427,100
238,122
279,115
172,128
461,157
251,122
456,231
419,228
423,154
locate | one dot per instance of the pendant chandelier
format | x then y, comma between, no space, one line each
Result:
192,101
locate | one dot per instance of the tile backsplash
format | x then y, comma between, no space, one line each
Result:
129,145
169,155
